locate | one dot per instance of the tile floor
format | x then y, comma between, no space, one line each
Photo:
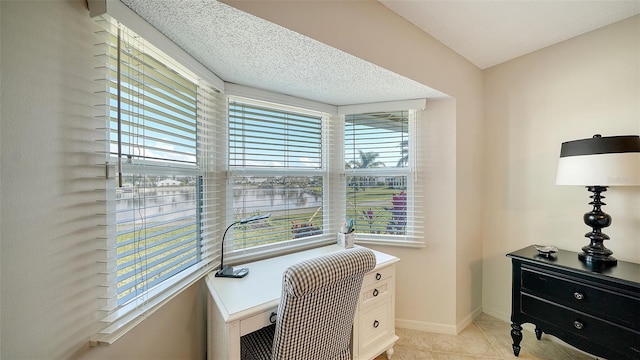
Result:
486,338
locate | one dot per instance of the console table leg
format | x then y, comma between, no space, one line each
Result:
538,333
516,335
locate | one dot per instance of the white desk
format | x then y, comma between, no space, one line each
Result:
239,306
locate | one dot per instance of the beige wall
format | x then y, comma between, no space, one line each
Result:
583,86
48,185
177,331
46,228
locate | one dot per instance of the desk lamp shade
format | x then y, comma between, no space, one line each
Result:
597,163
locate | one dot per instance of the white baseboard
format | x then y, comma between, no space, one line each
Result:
439,328
426,326
462,324
497,314
454,330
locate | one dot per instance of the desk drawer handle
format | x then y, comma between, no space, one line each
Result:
273,317
578,296
376,323
578,325
375,292
378,276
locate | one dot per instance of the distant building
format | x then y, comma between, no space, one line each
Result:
168,182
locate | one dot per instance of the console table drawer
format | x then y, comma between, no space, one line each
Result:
592,307
582,297
568,321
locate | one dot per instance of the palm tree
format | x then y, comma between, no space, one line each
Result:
367,160
404,153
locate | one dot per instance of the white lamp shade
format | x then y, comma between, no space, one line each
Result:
600,161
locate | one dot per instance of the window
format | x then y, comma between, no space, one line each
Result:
153,131
160,120
277,166
380,169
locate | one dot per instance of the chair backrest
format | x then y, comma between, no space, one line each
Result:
318,304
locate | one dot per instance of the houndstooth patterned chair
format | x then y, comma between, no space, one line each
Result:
316,310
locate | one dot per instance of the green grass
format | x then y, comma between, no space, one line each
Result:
272,230
156,241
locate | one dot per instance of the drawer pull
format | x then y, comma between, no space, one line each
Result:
376,323
578,296
578,325
375,292
378,276
273,317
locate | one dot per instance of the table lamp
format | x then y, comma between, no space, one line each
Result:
597,163
228,271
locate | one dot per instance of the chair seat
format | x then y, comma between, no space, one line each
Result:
258,344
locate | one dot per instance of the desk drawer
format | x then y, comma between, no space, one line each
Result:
378,275
256,322
372,295
376,324
616,307
582,325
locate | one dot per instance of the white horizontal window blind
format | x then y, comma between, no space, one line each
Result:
157,230
157,107
262,137
161,134
380,175
153,131
276,166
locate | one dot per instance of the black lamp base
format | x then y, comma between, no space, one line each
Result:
229,272
600,260
596,253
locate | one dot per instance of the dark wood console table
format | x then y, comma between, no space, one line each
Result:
595,310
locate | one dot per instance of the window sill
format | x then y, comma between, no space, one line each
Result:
390,242
276,249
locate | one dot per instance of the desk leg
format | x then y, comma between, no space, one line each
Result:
217,334
516,335
389,353
233,337
223,338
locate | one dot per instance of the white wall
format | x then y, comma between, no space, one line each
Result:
439,287
48,274
583,86
46,227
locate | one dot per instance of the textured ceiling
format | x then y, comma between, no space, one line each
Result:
243,49
488,33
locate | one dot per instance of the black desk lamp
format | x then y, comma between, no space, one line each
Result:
228,271
598,163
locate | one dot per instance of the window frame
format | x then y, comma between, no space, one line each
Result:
118,317
293,244
414,236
